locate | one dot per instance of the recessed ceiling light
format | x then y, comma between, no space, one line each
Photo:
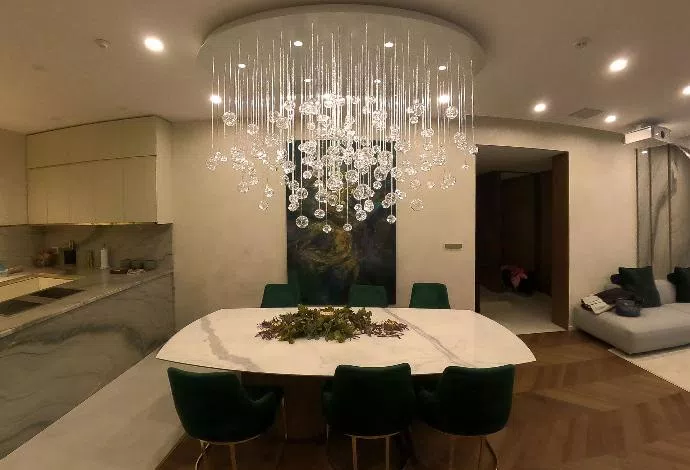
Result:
388,44
443,99
610,118
297,43
307,80
442,68
644,152
241,65
540,107
215,99
618,65
154,44
686,90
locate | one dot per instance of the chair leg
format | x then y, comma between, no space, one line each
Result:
204,446
284,410
451,457
492,450
479,459
328,432
354,453
388,452
233,457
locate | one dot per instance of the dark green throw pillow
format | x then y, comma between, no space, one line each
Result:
641,282
680,277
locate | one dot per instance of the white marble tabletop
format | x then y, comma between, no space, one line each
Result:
226,339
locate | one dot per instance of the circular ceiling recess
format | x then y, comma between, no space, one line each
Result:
344,30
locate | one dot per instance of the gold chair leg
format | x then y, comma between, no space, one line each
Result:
388,453
491,449
204,446
354,452
285,429
233,457
451,458
479,459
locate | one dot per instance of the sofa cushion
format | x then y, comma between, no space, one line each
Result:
656,328
681,307
641,282
680,277
667,291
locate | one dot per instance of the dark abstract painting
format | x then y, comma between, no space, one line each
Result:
327,264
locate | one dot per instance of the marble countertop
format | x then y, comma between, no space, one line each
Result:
95,285
435,339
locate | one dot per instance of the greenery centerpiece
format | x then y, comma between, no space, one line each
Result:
332,323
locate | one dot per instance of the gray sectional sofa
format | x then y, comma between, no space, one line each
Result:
656,328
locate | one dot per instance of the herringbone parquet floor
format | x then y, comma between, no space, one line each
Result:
578,407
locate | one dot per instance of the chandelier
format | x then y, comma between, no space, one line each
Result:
351,111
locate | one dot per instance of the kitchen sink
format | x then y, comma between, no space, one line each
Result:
15,306
29,285
56,292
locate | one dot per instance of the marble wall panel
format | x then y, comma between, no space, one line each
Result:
663,210
49,368
644,211
18,244
660,211
680,208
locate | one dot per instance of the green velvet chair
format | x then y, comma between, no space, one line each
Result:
278,295
215,409
369,403
469,402
293,281
429,295
362,295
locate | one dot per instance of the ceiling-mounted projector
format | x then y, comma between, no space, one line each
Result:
649,136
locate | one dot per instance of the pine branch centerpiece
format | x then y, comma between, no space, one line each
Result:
331,323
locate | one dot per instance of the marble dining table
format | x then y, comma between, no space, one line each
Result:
226,339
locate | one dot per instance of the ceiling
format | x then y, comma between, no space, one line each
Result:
54,75
513,159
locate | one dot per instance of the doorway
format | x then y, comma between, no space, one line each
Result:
522,238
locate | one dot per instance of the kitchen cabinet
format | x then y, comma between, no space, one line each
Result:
110,189
134,137
139,190
38,182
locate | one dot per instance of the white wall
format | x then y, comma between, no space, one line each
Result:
226,249
603,217
12,178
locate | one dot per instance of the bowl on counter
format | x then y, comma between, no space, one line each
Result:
45,259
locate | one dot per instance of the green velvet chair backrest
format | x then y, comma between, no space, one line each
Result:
370,401
214,407
293,281
278,295
429,295
472,402
362,295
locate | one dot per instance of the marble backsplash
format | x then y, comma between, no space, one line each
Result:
140,241
19,244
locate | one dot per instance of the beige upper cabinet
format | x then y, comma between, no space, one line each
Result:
112,172
134,137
